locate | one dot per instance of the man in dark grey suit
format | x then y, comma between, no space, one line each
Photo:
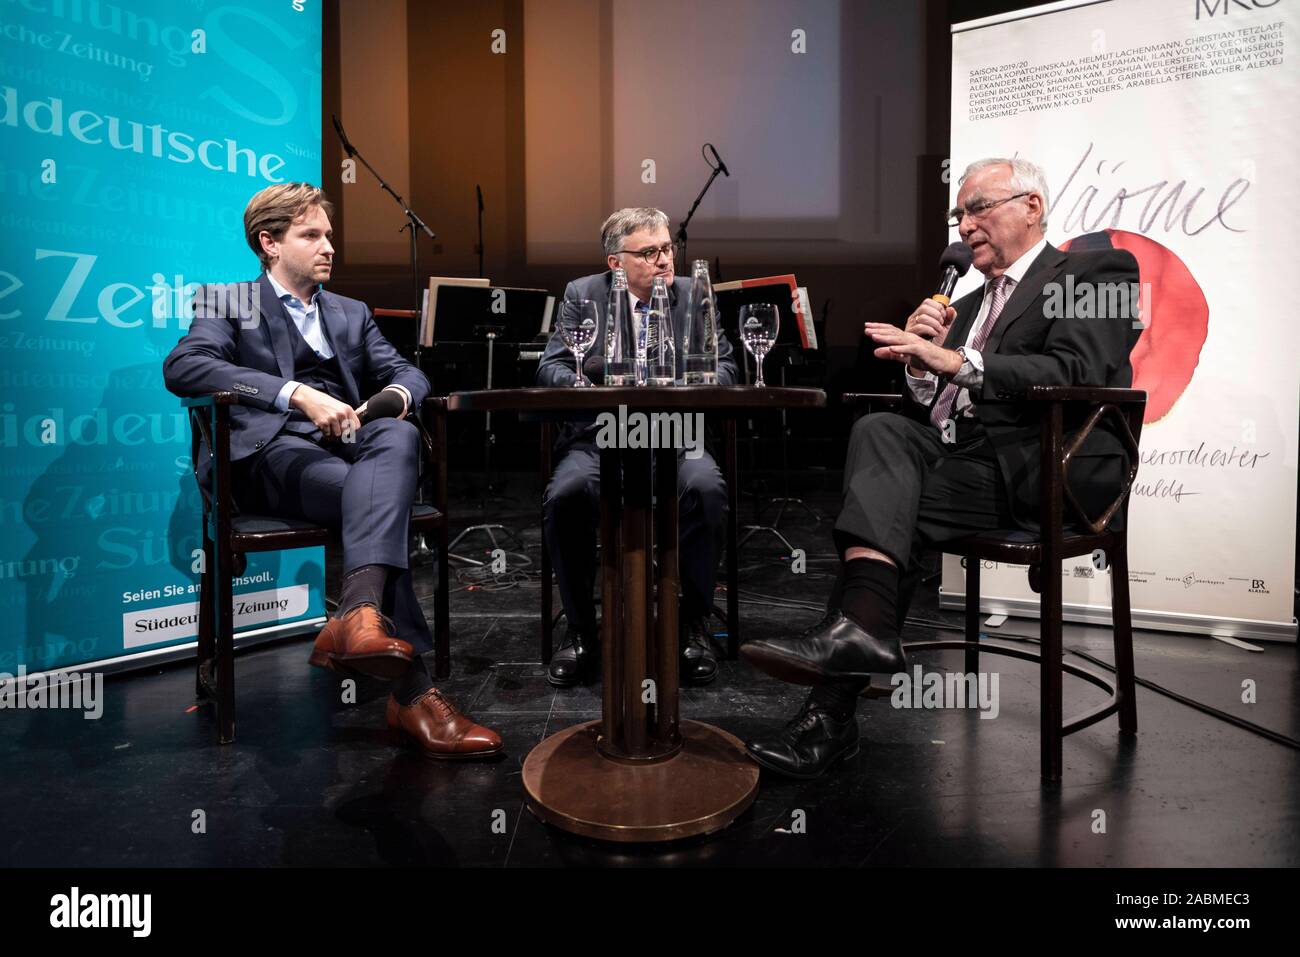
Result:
963,455
635,240
301,359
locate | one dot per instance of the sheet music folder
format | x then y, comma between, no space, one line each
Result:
467,310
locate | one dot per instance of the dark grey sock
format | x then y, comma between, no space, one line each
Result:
363,586
412,683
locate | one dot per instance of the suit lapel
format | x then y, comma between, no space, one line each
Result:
1043,269
967,309
336,327
602,311
276,319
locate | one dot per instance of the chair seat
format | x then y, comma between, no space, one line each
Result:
264,533
1019,547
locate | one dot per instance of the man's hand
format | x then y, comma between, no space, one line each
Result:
931,320
921,354
327,413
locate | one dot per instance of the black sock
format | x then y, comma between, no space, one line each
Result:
412,683
870,595
836,598
839,698
363,586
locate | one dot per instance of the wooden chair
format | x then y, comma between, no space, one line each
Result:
1064,534
229,535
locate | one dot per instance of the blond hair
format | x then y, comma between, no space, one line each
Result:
274,210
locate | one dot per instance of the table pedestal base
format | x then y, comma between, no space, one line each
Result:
704,787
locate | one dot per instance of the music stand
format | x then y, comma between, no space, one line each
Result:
796,334
471,311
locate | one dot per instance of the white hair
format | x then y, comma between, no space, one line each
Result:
1026,177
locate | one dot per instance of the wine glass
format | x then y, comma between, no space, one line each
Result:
759,323
578,320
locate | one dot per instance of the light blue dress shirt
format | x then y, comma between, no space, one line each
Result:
306,316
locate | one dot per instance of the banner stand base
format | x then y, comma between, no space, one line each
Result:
1149,620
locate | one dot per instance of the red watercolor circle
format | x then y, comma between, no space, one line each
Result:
1174,311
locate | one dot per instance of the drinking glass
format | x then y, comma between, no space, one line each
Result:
759,323
577,323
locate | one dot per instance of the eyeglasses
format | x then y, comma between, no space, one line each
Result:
976,210
651,256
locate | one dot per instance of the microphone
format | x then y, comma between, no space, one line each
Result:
593,367
382,405
955,263
343,137
479,191
720,166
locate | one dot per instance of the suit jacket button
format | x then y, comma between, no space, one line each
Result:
258,444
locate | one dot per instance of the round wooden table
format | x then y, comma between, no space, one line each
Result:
639,773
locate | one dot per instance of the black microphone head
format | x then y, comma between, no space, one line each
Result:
383,405
343,137
958,255
721,166
593,367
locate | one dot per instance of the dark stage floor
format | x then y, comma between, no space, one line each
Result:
312,781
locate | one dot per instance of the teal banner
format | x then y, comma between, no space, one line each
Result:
133,135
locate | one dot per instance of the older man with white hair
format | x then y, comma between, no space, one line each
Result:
963,454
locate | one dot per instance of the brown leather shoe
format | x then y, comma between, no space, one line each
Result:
361,643
433,725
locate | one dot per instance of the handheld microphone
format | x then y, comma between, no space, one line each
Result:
955,263
720,166
593,367
382,405
343,137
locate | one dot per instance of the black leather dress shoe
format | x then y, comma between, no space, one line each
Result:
577,661
810,744
836,647
699,665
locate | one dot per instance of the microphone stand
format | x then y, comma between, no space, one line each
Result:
680,239
478,248
413,222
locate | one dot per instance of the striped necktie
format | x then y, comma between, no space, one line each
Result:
999,291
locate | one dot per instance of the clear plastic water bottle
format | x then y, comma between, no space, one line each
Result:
700,338
620,335
661,354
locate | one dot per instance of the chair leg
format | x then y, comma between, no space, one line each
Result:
548,603
972,615
1051,674
225,635
733,548
1122,625
442,610
206,644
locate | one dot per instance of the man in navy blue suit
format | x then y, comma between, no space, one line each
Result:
301,359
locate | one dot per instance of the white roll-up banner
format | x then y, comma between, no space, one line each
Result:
1170,128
